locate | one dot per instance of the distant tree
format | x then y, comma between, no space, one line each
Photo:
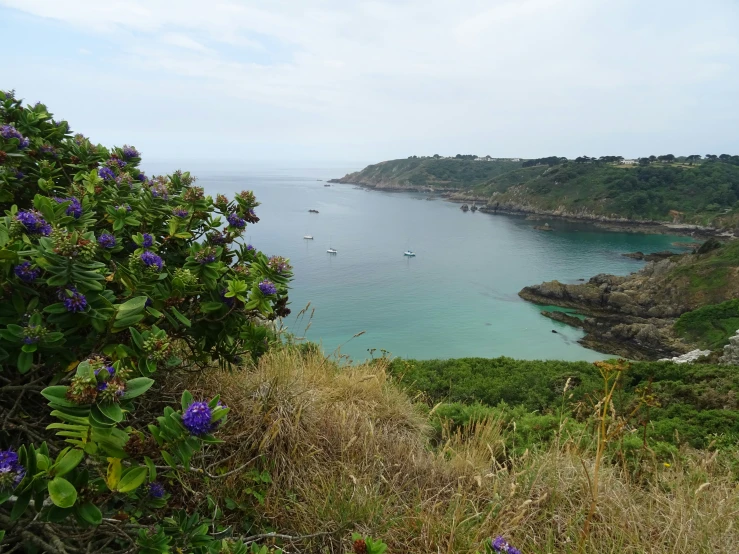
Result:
711,156
724,157
644,161
693,158
667,158
436,156
652,159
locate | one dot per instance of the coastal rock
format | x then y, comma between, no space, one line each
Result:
731,351
654,256
689,358
564,318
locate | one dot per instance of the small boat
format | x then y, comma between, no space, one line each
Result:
326,185
313,211
409,253
308,237
332,251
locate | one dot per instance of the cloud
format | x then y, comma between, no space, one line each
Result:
505,77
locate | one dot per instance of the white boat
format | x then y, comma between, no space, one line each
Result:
308,237
332,251
409,253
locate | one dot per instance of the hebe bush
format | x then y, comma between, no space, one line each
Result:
111,279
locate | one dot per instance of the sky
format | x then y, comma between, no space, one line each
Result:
344,80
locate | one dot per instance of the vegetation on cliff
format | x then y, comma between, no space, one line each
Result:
710,326
701,193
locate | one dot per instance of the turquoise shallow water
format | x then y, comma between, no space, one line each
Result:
457,297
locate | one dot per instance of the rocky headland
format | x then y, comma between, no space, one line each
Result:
634,315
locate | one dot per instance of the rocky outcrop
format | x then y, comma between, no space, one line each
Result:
653,257
633,315
731,351
689,358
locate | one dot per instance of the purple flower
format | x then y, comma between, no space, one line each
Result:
141,177
26,273
106,174
235,221
19,175
74,301
230,302
106,240
130,152
48,149
267,287
148,241
499,544
114,161
250,248
151,260
197,419
279,264
160,191
206,256
156,490
102,386
11,470
218,238
9,132
74,209
179,212
33,222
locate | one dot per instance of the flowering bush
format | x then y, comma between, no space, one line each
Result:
107,278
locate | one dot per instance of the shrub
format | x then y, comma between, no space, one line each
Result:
108,278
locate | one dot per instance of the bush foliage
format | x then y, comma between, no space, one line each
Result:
109,280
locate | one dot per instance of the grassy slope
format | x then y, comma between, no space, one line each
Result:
710,326
348,451
703,193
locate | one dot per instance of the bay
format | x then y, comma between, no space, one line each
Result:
456,298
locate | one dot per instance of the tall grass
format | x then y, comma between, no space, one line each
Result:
347,451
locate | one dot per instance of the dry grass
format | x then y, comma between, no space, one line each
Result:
347,451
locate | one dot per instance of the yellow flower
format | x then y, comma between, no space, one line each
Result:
666,464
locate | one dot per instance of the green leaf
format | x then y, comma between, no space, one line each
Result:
21,504
70,461
135,305
186,322
208,307
152,470
186,400
57,308
8,255
132,479
90,513
62,492
25,360
126,321
137,387
112,411
169,459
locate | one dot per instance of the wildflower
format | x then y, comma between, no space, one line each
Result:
82,390
79,138
230,302
115,161
235,221
206,255
19,175
500,545
105,173
33,222
151,260
221,201
141,177
267,287
218,238
248,196
106,240
130,152
179,212
666,464
74,301
11,470
251,217
33,333
9,132
194,194
148,241
156,490
26,273
48,149
74,209
197,419
124,207
279,264
160,191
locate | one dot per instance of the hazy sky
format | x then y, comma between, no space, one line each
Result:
349,80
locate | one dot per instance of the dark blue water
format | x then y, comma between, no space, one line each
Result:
457,297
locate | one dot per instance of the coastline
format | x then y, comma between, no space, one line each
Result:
623,225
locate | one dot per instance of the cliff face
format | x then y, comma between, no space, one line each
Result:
633,315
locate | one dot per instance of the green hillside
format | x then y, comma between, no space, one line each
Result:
429,172
705,193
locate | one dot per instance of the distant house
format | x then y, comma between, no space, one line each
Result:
630,162
515,159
